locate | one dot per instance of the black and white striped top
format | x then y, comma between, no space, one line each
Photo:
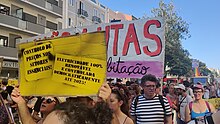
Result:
150,110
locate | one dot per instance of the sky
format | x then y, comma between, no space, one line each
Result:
202,16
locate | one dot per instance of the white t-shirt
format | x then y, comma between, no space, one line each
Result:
183,104
189,91
206,94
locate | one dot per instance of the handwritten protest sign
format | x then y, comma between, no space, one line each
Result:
215,102
12,82
88,52
37,63
85,73
134,48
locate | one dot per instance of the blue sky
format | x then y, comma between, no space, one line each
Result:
202,16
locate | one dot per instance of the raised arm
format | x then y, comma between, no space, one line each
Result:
22,107
104,92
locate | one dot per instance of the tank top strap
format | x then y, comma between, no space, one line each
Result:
125,119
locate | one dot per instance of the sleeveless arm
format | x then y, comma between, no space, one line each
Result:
187,113
213,110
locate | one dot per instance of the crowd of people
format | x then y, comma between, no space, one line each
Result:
116,103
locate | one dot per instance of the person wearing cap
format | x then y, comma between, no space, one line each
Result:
184,99
199,107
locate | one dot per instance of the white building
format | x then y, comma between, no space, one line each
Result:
21,19
24,19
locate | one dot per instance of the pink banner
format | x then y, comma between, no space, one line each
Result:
135,69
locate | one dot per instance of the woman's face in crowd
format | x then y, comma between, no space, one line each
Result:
114,102
48,104
198,93
171,89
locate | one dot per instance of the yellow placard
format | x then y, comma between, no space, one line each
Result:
36,61
215,102
81,72
12,82
88,47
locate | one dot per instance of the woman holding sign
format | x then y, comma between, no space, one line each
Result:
47,106
197,109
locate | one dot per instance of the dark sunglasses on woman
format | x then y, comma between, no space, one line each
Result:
49,100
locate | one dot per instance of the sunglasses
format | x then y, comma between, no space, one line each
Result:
195,92
49,100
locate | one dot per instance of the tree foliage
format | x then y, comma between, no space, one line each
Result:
204,71
176,29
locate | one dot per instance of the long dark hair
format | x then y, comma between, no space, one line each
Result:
121,97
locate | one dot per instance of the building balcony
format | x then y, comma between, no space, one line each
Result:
96,19
8,51
47,6
21,25
82,13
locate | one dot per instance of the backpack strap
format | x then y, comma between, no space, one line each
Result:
136,102
135,105
190,106
208,106
162,103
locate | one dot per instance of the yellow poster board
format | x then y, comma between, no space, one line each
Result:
215,102
78,71
87,50
12,82
36,61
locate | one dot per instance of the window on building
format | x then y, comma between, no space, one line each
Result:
51,25
81,6
13,39
95,12
41,20
94,1
54,2
103,17
80,24
71,2
30,18
59,25
4,9
69,22
102,6
19,13
17,40
3,41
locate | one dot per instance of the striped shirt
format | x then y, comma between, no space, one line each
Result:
150,110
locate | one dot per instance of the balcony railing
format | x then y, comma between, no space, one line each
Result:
82,13
96,19
42,3
17,23
8,51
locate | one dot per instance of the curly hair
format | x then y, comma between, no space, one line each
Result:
149,77
78,113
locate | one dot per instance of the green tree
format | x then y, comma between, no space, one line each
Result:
204,71
176,29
